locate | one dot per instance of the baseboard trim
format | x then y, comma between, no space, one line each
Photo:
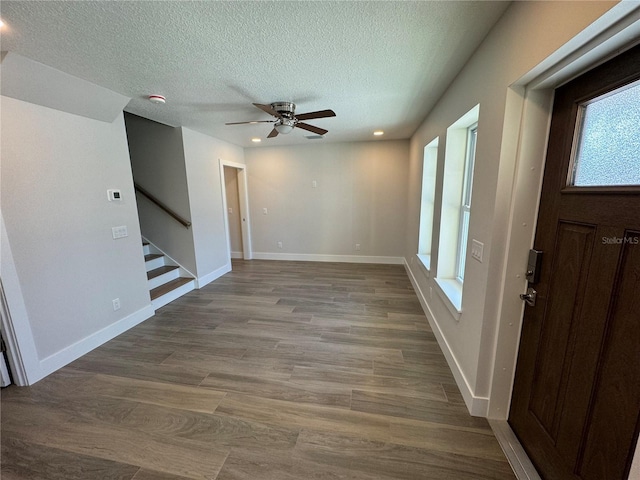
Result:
310,257
517,457
477,406
237,255
82,347
210,277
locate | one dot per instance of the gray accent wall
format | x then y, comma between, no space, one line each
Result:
359,197
158,165
202,162
56,170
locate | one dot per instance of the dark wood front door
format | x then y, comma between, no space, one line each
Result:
576,398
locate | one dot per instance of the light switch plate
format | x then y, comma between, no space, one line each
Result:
477,249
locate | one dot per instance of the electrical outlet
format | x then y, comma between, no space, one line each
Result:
314,184
265,211
230,210
279,244
116,304
357,246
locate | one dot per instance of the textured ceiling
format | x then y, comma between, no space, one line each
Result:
378,65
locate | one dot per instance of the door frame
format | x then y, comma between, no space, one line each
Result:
528,109
14,320
243,194
529,105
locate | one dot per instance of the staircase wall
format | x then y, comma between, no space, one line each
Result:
202,155
56,169
158,165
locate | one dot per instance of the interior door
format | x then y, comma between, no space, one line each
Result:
576,398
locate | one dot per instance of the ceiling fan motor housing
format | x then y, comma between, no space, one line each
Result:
286,109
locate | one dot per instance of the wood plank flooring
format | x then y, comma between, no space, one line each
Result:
276,371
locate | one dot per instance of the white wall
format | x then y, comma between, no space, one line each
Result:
527,34
158,164
202,154
233,204
359,198
56,169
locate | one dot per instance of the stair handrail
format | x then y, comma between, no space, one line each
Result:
185,223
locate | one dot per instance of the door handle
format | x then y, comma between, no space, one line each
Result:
529,297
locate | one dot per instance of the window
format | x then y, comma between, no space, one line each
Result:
608,140
459,158
465,204
429,166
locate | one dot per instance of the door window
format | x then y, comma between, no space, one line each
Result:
607,149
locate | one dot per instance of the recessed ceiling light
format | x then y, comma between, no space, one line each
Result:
1,23
159,99
256,140
377,133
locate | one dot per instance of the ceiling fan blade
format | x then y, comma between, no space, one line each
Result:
274,133
268,109
254,121
311,128
318,114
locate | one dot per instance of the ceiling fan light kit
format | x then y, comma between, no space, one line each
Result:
285,127
287,120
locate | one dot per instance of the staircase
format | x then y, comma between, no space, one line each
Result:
166,280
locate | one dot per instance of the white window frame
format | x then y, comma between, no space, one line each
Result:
425,233
465,203
456,210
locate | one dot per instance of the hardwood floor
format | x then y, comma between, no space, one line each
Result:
276,371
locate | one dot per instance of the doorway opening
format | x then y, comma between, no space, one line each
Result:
235,200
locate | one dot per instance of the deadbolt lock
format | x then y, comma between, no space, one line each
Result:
529,297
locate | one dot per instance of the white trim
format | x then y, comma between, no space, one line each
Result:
172,295
210,277
5,378
310,257
477,406
172,261
243,200
81,347
425,261
535,107
237,255
245,220
430,154
16,329
456,157
164,278
450,291
605,38
9,335
517,457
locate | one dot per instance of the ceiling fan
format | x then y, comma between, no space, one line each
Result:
286,119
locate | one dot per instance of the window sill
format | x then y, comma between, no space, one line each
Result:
425,260
450,290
